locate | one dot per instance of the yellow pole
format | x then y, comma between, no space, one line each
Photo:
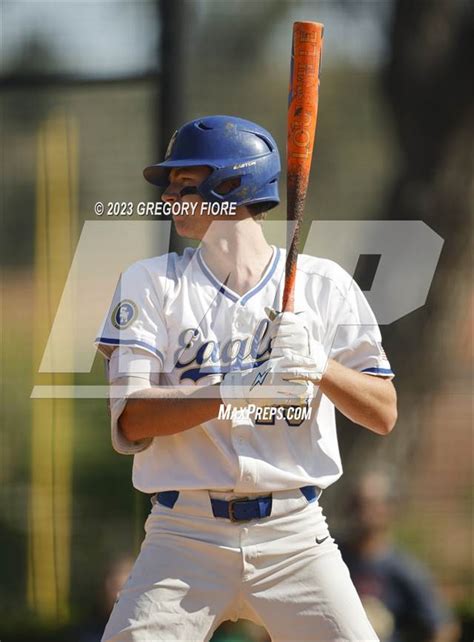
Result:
52,419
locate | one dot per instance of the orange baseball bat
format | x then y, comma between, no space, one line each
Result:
303,96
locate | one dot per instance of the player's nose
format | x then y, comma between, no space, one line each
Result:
171,194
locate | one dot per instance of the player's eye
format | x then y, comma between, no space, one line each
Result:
180,181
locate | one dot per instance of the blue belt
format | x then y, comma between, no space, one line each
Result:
241,509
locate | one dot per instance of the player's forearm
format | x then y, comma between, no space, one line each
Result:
366,400
157,411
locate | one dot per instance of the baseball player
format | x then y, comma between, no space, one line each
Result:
228,408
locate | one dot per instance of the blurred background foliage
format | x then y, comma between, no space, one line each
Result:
394,141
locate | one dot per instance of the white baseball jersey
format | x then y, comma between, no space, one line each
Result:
176,309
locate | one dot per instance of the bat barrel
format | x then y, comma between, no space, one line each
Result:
302,116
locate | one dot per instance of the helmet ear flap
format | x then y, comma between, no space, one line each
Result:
220,185
228,185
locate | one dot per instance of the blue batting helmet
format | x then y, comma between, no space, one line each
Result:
232,148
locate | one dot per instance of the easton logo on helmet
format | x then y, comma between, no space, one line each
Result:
240,165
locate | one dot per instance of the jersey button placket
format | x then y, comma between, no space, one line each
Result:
239,437
242,329
245,320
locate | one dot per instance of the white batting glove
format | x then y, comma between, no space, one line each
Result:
289,334
271,384
290,337
308,368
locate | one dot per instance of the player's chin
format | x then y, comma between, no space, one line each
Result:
184,227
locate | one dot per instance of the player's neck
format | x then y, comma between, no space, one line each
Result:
237,250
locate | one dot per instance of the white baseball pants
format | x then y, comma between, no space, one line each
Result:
195,570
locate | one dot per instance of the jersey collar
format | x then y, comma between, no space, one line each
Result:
230,294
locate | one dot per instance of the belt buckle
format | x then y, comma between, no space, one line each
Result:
232,503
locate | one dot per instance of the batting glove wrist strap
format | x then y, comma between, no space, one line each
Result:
270,384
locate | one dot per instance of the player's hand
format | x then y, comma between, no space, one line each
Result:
290,337
271,384
288,333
